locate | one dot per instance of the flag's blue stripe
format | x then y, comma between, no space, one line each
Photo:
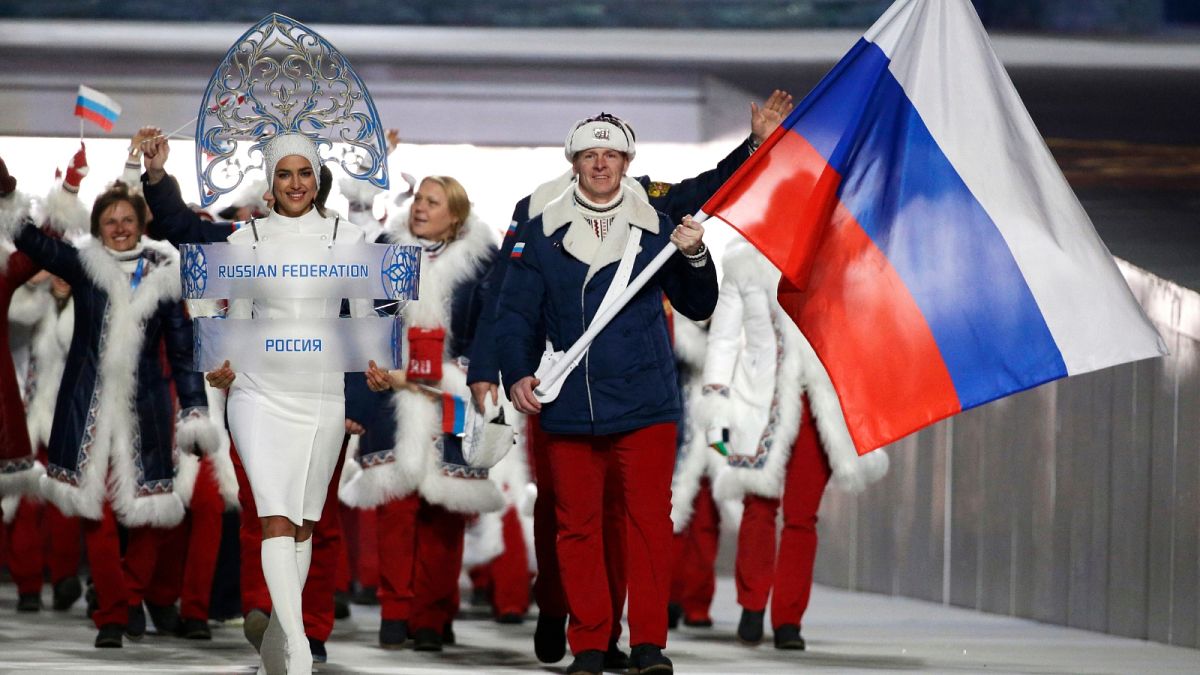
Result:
911,201
460,415
99,109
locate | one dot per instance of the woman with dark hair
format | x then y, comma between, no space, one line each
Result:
287,427
111,451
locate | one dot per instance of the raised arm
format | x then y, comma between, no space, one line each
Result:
173,221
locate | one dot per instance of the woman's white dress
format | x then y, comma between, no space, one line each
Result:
288,427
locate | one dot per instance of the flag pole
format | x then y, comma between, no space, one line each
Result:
547,389
181,127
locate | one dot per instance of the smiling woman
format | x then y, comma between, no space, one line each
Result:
118,220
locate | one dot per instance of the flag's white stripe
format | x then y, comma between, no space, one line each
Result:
941,57
106,101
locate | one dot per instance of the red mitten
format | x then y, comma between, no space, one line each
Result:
76,170
425,348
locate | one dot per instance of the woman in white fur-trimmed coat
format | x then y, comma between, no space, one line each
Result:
111,448
424,452
767,392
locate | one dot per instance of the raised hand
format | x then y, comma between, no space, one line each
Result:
688,236
764,120
155,151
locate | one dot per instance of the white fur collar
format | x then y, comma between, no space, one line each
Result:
160,283
581,242
14,211
550,190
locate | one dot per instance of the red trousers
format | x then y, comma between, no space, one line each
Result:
396,532
120,582
758,569
642,461
438,561
317,598
189,577
506,577
547,586
362,545
695,554
40,537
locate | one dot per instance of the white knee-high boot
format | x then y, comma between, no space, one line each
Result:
279,566
303,560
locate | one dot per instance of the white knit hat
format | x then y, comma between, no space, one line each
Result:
601,131
290,143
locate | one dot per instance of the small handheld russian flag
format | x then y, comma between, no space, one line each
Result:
96,107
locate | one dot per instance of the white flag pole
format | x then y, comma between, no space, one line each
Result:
547,388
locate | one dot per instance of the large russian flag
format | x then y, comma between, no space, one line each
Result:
931,250
96,107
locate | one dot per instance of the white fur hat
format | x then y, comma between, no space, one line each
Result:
290,143
601,131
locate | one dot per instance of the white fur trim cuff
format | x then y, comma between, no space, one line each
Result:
195,430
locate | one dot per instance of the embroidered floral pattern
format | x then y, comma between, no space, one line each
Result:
759,459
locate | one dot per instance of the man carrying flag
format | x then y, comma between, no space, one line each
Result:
931,250
96,107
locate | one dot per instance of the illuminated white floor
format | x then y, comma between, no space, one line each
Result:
846,632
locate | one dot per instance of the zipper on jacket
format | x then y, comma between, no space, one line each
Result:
587,375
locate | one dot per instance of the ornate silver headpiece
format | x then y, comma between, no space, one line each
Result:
282,77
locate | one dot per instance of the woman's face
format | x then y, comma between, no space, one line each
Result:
294,186
119,229
429,216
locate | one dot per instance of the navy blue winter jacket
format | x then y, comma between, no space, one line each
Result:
627,379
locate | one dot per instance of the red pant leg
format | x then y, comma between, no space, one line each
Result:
679,550
252,584
754,567
165,584
348,517
579,465
547,586
204,540
25,559
438,563
317,601
63,536
807,474
141,559
614,545
366,569
396,532
481,577
646,458
699,564
510,570
104,560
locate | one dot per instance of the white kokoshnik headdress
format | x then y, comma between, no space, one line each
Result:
287,90
602,131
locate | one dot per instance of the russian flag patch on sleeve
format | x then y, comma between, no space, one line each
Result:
517,250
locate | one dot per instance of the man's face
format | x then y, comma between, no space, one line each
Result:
600,171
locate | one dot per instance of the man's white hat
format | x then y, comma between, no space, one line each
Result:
601,131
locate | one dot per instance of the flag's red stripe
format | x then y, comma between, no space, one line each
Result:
854,308
94,116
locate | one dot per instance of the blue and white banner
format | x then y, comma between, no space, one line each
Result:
297,345
300,270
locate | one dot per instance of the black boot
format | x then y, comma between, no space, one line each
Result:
788,637
393,633
29,602
93,601
550,638
590,662
750,628
512,618
317,648
427,640
674,613
448,634
195,629
702,622
341,605
364,595
110,636
66,592
645,659
614,658
165,618
135,628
